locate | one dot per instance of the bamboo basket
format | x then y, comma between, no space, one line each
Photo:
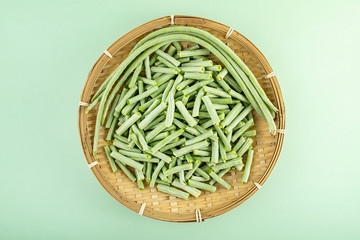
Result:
159,205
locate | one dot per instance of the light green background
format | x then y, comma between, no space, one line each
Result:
46,51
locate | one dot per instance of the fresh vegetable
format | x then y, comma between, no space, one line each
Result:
185,120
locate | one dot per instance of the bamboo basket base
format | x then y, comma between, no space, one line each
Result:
160,205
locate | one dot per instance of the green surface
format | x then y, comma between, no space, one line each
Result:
46,52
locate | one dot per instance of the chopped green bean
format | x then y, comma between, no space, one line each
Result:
248,163
201,185
173,191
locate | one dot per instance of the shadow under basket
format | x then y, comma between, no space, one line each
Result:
158,205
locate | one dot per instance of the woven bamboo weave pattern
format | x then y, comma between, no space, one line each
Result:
159,205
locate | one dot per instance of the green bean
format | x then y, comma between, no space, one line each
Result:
172,145
193,69
222,152
93,104
160,136
163,79
167,140
177,46
147,104
168,57
155,122
112,127
112,110
184,84
248,163
121,138
207,63
152,107
120,144
163,177
122,95
228,79
245,146
242,130
228,164
190,148
238,119
250,133
134,139
193,191
171,51
123,100
191,53
156,172
222,74
141,90
203,159
216,92
232,115
183,60
149,166
214,152
139,179
161,156
185,99
128,108
184,112
135,76
127,161
134,154
126,171
151,116
223,85
237,95
151,135
217,107
162,182
198,152
216,68
199,179
200,130
143,95
239,143
168,64
199,138
189,158
140,137
202,173
172,191
221,100
147,67
240,124
211,110
200,58
167,90
193,47
201,185
196,86
183,167
170,110
147,81
196,75
221,173
111,160
128,123
231,155
218,179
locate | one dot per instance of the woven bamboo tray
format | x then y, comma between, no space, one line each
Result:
159,205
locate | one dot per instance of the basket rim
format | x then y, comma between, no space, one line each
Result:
121,42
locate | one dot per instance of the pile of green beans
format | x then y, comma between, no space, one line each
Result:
181,121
